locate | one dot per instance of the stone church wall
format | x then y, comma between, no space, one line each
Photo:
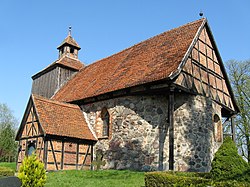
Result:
138,134
137,123
195,143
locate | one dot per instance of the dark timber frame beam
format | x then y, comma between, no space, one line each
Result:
92,157
62,156
171,126
233,127
45,152
77,155
84,160
53,152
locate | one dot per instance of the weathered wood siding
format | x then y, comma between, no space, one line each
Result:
48,83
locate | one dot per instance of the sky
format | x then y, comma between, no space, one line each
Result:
30,32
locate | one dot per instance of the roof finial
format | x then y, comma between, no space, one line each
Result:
201,13
70,30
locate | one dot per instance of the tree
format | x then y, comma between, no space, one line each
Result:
227,164
239,75
8,146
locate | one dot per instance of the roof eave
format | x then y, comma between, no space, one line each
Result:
66,43
175,73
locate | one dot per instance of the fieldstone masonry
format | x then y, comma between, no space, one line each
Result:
195,144
138,134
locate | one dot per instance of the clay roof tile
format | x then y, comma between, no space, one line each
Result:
151,60
62,119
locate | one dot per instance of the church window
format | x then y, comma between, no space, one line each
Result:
105,119
31,148
217,128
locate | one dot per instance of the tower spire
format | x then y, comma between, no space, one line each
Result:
69,30
69,46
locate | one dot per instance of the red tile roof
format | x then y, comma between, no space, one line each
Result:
150,60
61,119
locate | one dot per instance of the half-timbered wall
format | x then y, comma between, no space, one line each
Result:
48,83
64,155
32,133
203,74
58,153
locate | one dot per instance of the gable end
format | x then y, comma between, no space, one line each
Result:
204,72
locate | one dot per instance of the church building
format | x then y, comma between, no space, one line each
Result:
158,105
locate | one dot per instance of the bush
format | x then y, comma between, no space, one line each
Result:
166,179
32,172
185,179
227,163
6,172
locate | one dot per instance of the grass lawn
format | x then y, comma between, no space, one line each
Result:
11,165
76,178
108,178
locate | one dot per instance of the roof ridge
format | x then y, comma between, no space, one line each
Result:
139,43
69,105
130,47
167,57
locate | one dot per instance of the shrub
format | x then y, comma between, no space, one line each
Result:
230,183
166,179
6,172
227,163
32,172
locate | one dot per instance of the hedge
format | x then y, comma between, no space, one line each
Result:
6,172
166,179
230,183
181,179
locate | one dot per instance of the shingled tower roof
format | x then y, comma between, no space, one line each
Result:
70,41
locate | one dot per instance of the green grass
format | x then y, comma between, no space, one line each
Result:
11,165
103,178
106,178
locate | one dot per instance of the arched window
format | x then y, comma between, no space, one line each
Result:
105,119
217,128
31,148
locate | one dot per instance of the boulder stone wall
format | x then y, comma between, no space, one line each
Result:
138,132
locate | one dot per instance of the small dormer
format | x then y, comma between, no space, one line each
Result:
69,47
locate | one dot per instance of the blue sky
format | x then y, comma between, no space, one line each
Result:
30,32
